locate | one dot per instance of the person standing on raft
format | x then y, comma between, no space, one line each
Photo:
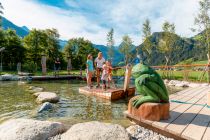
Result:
99,61
90,70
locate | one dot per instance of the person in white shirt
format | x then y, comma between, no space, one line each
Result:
99,61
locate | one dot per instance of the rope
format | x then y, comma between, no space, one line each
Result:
181,102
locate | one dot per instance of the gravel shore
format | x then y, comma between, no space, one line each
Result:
140,133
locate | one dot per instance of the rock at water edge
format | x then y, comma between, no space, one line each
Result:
27,129
96,131
47,97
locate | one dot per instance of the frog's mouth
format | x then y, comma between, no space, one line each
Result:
136,74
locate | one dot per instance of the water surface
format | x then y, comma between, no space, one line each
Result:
17,102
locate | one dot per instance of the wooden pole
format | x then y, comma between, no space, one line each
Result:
127,78
208,99
19,67
208,67
43,62
69,66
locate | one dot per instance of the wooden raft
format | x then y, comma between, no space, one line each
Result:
189,119
110,94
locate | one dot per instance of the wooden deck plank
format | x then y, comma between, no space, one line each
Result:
181,93
110,94
183,99
207,133
184,119
196,129
176,112
188,121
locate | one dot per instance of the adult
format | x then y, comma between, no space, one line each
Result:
57,66
99,61
90,69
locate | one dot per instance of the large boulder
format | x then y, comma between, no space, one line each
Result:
26,129
96,131
46,97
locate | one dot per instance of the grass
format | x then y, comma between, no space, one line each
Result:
190,61
189,76
176,75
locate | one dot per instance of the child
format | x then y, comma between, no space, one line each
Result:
90,70
105,74
110,68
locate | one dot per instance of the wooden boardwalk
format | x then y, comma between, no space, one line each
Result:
48,77
189,116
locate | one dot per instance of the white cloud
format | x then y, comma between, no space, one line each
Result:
69,24
125,16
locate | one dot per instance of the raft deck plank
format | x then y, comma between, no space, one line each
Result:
190,120
110,94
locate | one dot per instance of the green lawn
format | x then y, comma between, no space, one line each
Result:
181,75
177,75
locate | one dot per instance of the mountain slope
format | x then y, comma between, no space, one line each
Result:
185,48
21,31
118,57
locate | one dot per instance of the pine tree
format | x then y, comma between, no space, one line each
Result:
110,43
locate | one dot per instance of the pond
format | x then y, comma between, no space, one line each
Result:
17,102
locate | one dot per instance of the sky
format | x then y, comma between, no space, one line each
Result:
92,19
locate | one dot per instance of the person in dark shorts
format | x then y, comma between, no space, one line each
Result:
99,61
57,66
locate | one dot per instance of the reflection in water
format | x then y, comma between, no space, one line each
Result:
73,107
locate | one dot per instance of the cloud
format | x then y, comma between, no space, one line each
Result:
92,19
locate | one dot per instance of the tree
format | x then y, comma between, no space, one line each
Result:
52,47
202,20
110,43
168,41
35,43
126,47
148,46
14,50
78,49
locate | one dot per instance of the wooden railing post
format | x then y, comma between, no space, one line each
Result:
44,67
127,78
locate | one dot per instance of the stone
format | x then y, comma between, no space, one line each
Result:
37,94
45,106
173,82
96,131
47,97
34,89
9,77
140,133
166,81
194,85
149,111
208,98
27,129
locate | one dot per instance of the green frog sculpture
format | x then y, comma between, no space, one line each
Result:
149,85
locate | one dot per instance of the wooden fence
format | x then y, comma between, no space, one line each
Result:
193,72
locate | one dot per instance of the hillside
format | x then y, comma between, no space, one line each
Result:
118,57
21,31
186,48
